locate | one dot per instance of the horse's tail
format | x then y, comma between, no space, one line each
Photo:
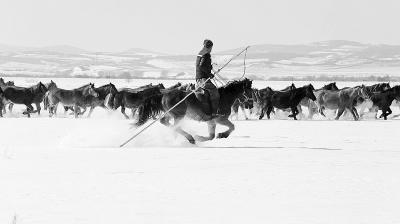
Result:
150,108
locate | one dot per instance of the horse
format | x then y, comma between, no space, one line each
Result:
363,104
75,97
310,104
340,100
39,98
4,84
26,96
2,102
95,101
383,100
246,102
192,108
134,98
287,99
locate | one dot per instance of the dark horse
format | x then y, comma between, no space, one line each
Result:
26,96
246,101
365,103
383,100
74,97
134,98
4,102
194,109
287,99
39,98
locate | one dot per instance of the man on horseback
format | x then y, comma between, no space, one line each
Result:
209,97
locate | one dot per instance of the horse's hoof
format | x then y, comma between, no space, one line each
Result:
192,141
222,135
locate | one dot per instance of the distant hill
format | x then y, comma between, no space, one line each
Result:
326,58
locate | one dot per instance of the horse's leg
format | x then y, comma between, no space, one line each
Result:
244,112
123,111
356,113
261,114
269,112
339,113
321,111
211,132
353,113
90,111
82,112
29,109
177,128
10,107
389,111
133,110
224,121
38,108
76,110
294,113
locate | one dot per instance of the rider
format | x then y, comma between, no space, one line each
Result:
203,72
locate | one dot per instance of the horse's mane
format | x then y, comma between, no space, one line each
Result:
84,86
231,85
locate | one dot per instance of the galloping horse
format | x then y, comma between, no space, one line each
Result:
340,100
367,103
246,102
310,104
289,99
4,101
134,98
74,97
38,98
383,100
95,101
26,96
194,109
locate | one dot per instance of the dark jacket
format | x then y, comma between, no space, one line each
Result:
203,66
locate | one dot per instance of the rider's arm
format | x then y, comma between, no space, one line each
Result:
205,64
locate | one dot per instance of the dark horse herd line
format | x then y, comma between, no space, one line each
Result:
151,101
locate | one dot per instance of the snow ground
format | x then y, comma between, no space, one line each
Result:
64,170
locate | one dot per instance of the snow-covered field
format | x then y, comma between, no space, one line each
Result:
65,170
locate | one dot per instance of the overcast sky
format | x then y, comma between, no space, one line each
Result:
179,26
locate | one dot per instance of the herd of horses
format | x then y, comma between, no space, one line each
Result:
354,100
158,102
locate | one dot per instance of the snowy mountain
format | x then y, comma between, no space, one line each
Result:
335,57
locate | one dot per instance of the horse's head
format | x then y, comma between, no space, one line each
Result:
41,87
310,92
363,91
160,86
10,83
331,86
2,81
90,90
385,86
51,85
117,101
112,89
